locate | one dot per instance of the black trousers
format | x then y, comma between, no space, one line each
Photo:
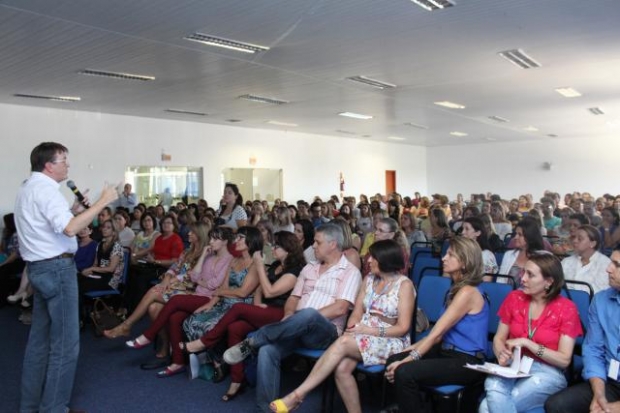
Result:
577,398
438,367
139,281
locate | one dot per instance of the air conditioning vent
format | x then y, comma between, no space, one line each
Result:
596,111
69,99
499,119
225,43
519,58
185,112
234,120
262,99
432,5
371,82
116,75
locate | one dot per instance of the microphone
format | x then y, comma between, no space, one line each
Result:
78,194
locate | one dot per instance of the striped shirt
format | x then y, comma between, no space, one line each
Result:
339,282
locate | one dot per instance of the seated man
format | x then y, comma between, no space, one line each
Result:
314,314
601,356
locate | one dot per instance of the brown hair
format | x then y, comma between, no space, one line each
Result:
550,268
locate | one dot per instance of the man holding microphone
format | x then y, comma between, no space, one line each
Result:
47,227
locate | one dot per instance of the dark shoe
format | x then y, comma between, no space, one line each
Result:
76,411
155,364
238,352
168,372
230,396
220,371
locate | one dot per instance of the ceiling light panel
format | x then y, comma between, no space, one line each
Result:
458,134
568,92
531,129
519,58
432,5
66,99
263,99
499,119
450,105
278,123
225,43
116,75
371,82
355,115
396,138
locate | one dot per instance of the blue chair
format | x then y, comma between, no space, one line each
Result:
419,249
421,263
581,294
499,257
430,298
496,293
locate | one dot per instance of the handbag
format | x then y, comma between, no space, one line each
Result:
103,317
421,321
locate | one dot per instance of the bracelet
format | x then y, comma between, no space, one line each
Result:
541,351
381,331
415,354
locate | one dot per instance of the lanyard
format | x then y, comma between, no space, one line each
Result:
530,332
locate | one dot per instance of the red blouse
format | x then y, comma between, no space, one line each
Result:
169,248
559,317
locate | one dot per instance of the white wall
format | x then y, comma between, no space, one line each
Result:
102,145
511,169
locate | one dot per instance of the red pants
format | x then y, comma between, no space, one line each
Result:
173,314
240,320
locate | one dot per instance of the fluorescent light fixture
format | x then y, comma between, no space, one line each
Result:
225,43
432,5
531,129
263,99
355,115
185,112
277,123
450,105
371,82
499,119
459,134
115,75
596,111
234,120
66,99
415,125
568,92
345,132
519,58
396,138
552,135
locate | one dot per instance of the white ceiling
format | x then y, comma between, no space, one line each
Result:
448,54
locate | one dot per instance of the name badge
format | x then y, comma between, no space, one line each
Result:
614,366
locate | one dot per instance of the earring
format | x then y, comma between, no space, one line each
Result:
547,289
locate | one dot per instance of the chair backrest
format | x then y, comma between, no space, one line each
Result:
581,294
419,249
504,279
421,264
126,262
444,247
499,257
431,294
496,293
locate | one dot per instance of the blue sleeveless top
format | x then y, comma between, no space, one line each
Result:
471,332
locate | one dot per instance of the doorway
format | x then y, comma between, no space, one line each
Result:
390,182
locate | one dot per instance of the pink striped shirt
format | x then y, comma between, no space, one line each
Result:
339,282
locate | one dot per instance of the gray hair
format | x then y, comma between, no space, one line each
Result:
332,232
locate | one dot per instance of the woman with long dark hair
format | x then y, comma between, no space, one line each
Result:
231,212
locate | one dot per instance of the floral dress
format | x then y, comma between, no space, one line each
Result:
374,349
196,325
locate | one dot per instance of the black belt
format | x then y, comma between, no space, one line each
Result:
478,354
58,257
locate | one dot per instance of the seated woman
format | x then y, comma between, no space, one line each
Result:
364,223
473,228
587,264
87,249
155,254
545,325
495,243
304,231
610,229
567,231
348,248
266,229
378,327
208,274
136,219
12,265
527,240
459,336
387,228
439,231
282,220
408,223
501,224
175,281
275,286
107,269
121,225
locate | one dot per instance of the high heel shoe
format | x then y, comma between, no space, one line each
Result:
168,372
278,406
230,396
121,330
13,299
135,344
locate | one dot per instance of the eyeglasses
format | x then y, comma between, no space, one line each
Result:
55,161
382,231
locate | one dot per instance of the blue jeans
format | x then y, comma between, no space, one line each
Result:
520,395
54,342
306,328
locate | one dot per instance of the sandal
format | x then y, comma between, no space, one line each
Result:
121,330
230,396
278,406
